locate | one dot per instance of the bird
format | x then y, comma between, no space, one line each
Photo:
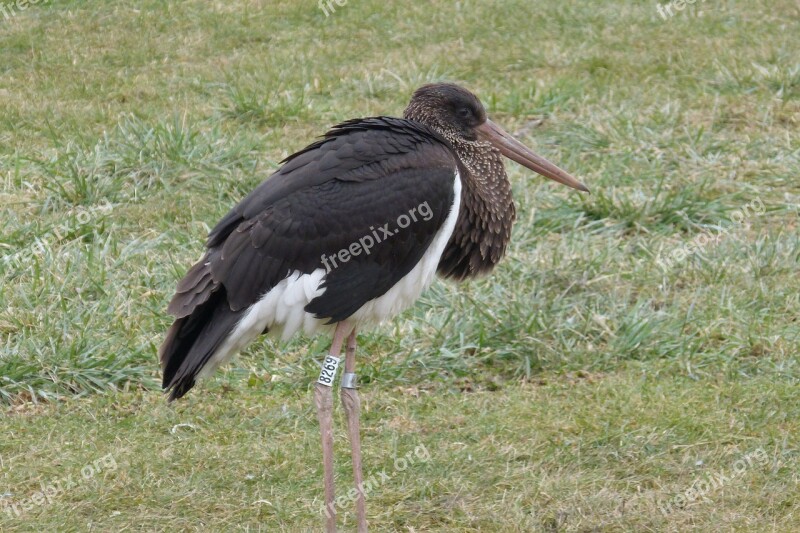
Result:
347,233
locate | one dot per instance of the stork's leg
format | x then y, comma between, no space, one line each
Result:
352,409
323,398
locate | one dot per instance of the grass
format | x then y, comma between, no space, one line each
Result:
582,387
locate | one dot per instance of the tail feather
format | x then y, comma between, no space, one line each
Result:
204,321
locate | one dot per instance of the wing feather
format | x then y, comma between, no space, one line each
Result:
326,198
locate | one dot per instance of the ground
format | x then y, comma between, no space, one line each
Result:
630,366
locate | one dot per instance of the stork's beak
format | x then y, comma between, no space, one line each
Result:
516,151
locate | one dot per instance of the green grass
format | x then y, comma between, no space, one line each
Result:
581,387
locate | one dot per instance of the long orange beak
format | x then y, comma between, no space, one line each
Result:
516,151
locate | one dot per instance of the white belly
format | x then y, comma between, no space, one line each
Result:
282,309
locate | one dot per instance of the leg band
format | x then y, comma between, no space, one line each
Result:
328,371
349,381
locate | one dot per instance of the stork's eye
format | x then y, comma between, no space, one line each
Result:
464,112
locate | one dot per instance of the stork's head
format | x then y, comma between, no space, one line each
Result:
460,117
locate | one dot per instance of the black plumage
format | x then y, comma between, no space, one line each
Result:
322,200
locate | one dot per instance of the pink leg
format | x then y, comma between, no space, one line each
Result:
352,409
323,398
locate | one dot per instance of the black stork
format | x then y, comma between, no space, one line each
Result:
347,233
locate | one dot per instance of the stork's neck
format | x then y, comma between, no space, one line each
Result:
487,214
486,178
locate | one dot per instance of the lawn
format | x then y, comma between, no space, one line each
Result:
632,364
